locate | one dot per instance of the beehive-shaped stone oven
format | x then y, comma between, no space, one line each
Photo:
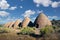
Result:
42,20
16,24
10,26
7,24
25,22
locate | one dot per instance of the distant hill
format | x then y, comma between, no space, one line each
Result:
56,22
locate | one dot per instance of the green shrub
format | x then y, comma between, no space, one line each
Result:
27,30
57,29
47,30
1,25
4,30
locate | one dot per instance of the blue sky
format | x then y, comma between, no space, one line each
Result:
11,10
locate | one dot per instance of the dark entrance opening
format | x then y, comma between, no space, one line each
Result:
37,26
19,25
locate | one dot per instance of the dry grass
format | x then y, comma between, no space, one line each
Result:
13,36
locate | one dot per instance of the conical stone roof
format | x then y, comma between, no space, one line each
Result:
42,20
11,24
25,22
49,22
17,22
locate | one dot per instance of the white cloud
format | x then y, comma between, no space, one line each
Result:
46,3
4,4
52,17
55,4
21,6
28,13
12,18
13,8
4,13
33,19
8,19
37,5
38,11
4,20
